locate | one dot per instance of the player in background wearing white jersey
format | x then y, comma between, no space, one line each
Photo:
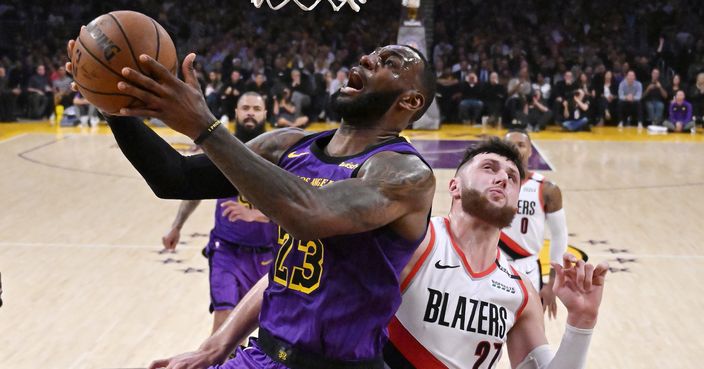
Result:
462,301
539,203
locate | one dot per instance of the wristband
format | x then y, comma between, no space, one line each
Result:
207,132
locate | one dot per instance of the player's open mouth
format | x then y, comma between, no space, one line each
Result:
355,83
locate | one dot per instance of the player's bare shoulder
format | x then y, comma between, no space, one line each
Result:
400,175
272,145
552,196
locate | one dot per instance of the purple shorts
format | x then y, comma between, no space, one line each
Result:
234,269
251,357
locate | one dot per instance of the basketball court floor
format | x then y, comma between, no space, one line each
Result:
84,284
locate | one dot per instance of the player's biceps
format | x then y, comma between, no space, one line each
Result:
358,215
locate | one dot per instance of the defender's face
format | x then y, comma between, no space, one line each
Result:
493,176
522,142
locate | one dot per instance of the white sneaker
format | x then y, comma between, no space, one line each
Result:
620,124
94,121
693,130
640,125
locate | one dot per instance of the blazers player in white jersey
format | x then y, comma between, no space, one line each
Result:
539,203
463,302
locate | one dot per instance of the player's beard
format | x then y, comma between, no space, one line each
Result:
365,109
244,134
478,205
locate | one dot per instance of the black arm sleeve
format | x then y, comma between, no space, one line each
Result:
169,174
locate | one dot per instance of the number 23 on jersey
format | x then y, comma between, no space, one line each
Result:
306,276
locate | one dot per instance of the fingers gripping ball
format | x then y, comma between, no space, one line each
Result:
111,42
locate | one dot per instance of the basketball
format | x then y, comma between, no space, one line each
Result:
111,42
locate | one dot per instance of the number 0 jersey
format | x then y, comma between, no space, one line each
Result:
524,237
335,296
452,316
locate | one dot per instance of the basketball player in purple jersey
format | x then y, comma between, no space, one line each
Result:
239,249
352,205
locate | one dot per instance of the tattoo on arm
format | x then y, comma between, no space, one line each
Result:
390,185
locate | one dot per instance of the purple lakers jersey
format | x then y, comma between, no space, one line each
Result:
335,296
255,234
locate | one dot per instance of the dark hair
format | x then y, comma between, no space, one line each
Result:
496,146
428,84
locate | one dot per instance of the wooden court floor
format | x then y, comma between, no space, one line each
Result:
85,287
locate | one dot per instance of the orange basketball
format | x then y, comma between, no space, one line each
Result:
114,41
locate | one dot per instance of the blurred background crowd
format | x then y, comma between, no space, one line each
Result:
512,62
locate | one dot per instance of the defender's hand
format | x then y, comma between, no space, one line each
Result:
547,295
580,287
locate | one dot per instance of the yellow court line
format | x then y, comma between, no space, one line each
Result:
447,132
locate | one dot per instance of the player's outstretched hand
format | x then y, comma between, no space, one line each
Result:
179,104
191,360
580,287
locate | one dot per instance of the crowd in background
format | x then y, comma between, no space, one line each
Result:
529,63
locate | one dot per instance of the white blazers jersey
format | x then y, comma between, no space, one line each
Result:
452,316
524,237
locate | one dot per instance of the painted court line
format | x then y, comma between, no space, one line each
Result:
13,137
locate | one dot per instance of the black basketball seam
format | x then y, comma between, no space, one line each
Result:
129,45
100,92
129,105
158,40
83,45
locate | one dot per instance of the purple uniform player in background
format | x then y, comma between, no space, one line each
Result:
239,249
347,227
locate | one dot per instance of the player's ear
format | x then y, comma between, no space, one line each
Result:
454,187
412,100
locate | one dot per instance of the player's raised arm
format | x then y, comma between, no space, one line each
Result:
580,287
175,176
389,186
386,191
